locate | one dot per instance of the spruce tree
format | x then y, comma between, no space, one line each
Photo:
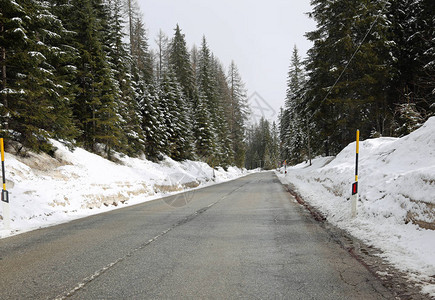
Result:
131,140
284,122
35,93
351,54
293,129
237,113
262,145
177,123
202,131
274,132
411,92
95,106
223,115
207,90
179,59
152,123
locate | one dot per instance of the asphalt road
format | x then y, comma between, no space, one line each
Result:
247,239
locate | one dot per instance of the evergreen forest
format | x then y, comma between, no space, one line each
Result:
371,67
83,72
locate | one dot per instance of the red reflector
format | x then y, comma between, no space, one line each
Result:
354,188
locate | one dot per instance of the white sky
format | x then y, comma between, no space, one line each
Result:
258,35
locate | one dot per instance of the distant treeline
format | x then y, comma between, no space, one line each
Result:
371,67
82,71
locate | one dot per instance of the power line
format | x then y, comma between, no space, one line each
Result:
342,72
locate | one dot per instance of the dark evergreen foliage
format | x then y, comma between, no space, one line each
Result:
371,68
262,146
68,72
34,74
237,112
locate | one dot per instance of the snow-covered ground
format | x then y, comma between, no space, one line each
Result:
396,190
45,191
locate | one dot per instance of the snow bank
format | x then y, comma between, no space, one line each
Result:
46,190
397,197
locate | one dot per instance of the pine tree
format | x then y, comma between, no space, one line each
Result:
179,59
131,140
35,98
202,131
177,123
412,24
95,106
152,123
293,140
237,113
262,146
284,121
358,98
67,73
205,79
225,152
207,90
274,132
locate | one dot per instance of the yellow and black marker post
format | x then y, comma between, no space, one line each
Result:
5,196
5,193
354,198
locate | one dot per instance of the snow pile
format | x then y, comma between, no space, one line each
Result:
46,190
396,204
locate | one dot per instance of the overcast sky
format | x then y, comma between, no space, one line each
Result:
258,35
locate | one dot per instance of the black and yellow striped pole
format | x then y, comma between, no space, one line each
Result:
5,194
5,197
354,198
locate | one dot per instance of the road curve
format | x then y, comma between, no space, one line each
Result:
246,238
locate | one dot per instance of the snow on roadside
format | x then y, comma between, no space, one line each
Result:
45,191
397,191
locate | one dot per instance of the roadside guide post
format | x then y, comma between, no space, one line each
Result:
285,166
5,193
354,197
